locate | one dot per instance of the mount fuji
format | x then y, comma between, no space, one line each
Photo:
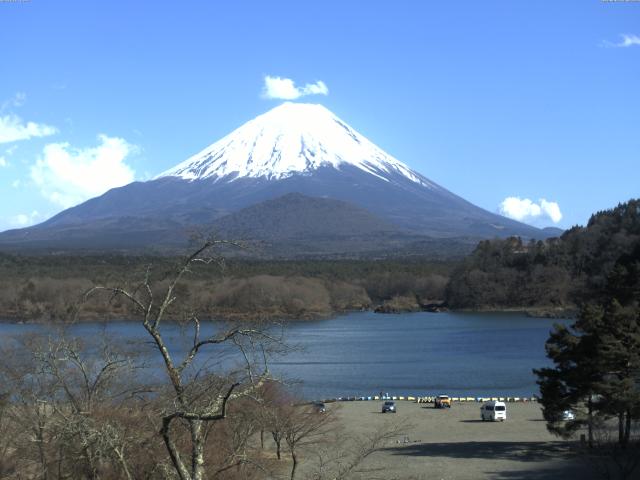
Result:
294,138
296,174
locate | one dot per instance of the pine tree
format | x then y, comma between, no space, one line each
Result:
572,384
619,357
597,359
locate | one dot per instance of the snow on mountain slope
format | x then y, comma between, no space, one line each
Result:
293,138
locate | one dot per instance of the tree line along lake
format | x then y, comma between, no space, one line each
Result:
364,353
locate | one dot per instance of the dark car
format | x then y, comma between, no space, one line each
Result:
319,407
389,406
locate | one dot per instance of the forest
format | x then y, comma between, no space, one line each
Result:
551,277
49,288
558,274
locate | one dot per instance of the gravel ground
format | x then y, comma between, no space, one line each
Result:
455,444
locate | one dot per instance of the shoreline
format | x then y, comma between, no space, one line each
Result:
568,312
534,312
428,399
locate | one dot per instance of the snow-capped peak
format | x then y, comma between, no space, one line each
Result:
290,139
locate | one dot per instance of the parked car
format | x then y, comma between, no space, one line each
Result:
319,407
493,411
442,401
389,406
568,415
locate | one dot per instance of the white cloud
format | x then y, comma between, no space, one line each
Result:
3,162
551,210
16,101
627,40
26,219
525,210
12,129
285,88
68,176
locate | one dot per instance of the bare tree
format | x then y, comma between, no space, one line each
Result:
345,457
273,411
305,427
7,436
63,393
203,397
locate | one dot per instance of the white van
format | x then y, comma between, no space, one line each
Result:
493,411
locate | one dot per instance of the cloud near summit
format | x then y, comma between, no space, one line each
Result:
286,89
525,210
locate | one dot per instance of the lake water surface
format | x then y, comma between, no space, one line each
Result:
360,354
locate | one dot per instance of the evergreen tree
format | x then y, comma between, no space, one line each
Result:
572,384
619,358
597,359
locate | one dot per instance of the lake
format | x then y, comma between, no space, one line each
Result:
363,353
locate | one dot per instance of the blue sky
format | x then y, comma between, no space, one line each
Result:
493,100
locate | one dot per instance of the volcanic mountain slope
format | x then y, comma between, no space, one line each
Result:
296,216
292,148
